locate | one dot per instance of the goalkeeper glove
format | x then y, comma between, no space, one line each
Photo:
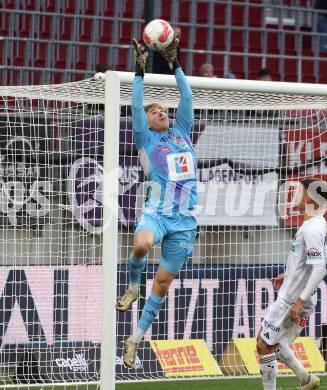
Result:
141,56
170,53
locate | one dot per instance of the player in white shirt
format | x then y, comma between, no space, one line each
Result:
305,269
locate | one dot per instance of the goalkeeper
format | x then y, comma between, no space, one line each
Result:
168,160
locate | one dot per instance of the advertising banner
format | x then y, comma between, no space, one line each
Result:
305,154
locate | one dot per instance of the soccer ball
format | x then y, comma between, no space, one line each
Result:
158,34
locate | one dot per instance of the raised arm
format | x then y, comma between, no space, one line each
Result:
139,119
184,115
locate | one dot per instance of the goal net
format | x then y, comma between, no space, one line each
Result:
253,141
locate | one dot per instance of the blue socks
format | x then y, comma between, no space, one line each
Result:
135,269
150,311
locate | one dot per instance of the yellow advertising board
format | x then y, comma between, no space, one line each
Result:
185,358
240,357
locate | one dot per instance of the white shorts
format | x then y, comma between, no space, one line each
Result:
277,326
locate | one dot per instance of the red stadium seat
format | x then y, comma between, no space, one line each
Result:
255,41
290,70
103,55
184,11
218,64
109,8
255,16
237,15
47,6
105,30
166,9
184,36
90,7
24,29
290,43
308,71
322,76
128,9
201,35
125,36
219,14
254,67
273,65
81,56
237,40
202,10
45,26
236,65
69,7
19,53
65,30
272,42
4,23
306,45
122,63
29,4
85,28
219,39
40,55
61,56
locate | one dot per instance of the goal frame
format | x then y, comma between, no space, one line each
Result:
113,81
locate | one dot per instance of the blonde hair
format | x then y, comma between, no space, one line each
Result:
152,106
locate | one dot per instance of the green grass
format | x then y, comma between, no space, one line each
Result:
224,384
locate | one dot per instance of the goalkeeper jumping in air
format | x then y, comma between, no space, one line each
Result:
168,160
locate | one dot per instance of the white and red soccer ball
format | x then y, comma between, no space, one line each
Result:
158,34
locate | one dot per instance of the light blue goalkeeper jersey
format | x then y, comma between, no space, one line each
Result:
168,158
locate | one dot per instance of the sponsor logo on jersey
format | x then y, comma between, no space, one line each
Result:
178,140
313,253
292,248
271,326
165,149
76,363
181,164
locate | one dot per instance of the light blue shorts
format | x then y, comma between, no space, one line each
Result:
177,239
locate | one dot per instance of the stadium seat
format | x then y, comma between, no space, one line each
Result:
61,56
103,55
85,29
47,6
128,8
272,42
183,11
45,27
81,56
65,32
40,54
89,8
105,30
308,71
290,70
306,45
237,15
184,36
236,65
219,39
218,65
289,43
122,63
273,65
4,23
24,29
125,36
166,9
237,40
19,53
255,16
202,12
201,35
254,65
108,8
255,41
322,76
219,14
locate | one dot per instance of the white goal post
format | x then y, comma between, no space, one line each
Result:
71,191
